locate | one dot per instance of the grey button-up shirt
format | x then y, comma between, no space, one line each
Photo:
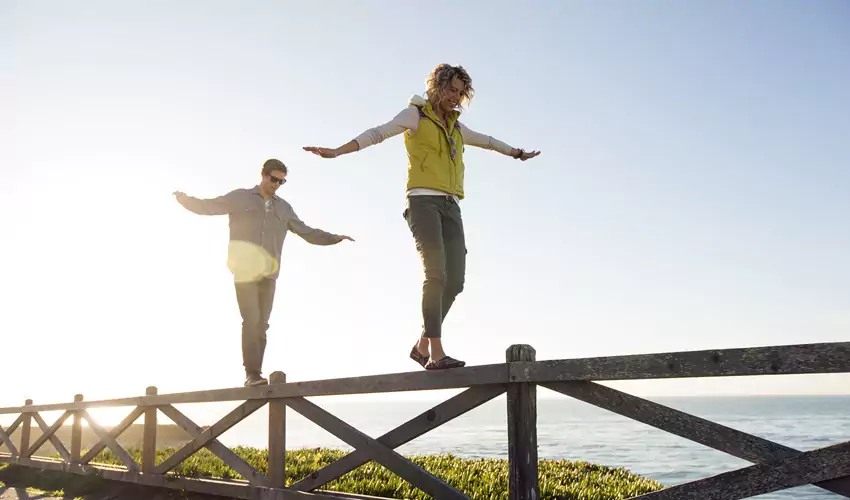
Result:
257,230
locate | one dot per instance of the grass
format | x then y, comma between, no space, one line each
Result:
13,475
479,478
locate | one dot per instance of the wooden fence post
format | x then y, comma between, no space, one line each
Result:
522,431
26,429
76,432
149,436
277,436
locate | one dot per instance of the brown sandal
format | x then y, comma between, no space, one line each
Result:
417,356
444,364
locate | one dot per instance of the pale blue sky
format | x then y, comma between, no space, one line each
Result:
692,191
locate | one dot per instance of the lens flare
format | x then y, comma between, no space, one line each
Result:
250,262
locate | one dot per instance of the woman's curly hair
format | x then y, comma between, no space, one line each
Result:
442,76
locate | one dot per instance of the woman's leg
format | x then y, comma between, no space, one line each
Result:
425,219
454,250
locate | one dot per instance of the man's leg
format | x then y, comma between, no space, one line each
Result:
248,298
266,290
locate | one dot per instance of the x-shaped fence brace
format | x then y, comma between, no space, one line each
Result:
381,450
777,466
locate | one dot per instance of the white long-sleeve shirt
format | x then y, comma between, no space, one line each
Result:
408,119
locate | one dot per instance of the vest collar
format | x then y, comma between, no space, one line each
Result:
425,106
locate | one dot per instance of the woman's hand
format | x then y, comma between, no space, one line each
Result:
323,152
520,154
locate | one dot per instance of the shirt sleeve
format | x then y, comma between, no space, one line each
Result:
479,140
310,234
407,119
221,205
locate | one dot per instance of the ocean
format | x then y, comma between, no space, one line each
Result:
570,429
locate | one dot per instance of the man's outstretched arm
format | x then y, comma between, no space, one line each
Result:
221,205
313,235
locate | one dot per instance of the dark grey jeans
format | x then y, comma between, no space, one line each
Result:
255,301
437,228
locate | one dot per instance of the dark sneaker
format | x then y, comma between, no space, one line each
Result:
254,379
444,364
417,356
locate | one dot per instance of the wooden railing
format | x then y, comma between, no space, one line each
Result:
775,466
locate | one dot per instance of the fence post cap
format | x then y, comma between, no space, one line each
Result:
277,377
520,352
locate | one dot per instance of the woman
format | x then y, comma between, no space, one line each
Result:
435,140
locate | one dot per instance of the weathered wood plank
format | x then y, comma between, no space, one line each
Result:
233,460
832,357
17,423
26,429
113,433
396,382
778,360
106,403
225,488
523,483
379,452
734,442
6,439
410,430
113,445
149,434
8,435
811,467
76,432
277,436
48,434
235,416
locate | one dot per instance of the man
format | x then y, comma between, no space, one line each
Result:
259,222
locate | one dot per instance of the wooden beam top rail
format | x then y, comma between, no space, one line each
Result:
777,360
398,382
829,357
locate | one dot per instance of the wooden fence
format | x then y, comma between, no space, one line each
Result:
775,466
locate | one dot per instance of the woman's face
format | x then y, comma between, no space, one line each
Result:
451,94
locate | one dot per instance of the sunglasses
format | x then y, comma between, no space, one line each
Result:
277,180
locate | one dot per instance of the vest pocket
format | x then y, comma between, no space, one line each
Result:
422,163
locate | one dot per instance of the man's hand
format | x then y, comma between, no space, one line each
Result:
323,152
344,237
178,194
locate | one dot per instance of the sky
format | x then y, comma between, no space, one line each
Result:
692,191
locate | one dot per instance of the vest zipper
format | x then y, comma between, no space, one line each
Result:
453,168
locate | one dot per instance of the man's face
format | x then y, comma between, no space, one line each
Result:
273,180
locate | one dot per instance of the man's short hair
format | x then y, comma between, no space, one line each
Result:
273,164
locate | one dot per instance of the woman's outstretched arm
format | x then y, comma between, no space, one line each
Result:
407,119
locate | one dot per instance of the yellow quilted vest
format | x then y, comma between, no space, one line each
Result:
435,152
